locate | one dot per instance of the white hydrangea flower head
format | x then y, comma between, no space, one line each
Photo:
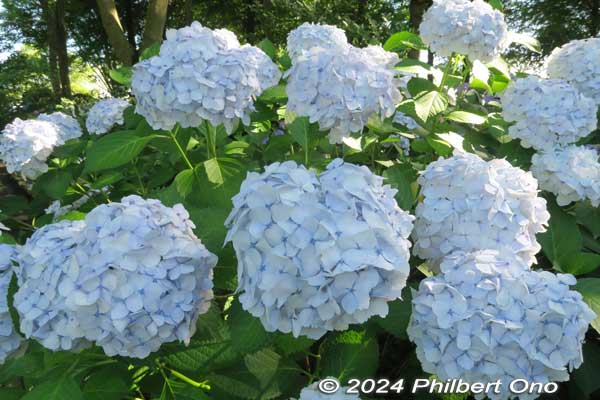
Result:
45,262
577,63
474,29
3,227
67,127
471,204
106,114
342,88
571,173
201,74
26,144
317,253
547,112
144,278
312,392
10,340
489,317
309,35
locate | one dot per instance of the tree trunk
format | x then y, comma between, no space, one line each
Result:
52,57
154,27
114,31
63,56
417,8
130,27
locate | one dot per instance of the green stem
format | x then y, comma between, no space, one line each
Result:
181,151
449,64
201,385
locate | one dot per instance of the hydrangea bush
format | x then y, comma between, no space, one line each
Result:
372,215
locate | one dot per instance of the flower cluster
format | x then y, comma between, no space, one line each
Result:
343,86
312,392
67,127
201,74
405,120
571,173
488,317
471,204
474,29
130,277
105,114
317,253
45,262
26,144
577,63
10,340
308,35
548,112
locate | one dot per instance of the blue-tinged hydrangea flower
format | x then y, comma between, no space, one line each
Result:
341,88
577,63
67,127
10,340
547,112
471,204
571,173
405,120
317,253
312,392
45,262
105,114
26,144
308,35
130,277
144,277
489,317
201,74
474,29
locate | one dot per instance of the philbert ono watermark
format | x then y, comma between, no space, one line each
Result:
449,386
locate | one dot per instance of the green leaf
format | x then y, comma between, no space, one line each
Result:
274,94
584,380
234,385
466,117
481,76
151,51
404,40
590,290
412,66
301,130
400,177
11,393
54,183
589,217
562,239
418,85
497,4
184,182
263,365
59,387
115,150
122,75
268,47
350,354
106,384
247,332
210,226
288,344
529,42
439,145
397,319
430,104
582,263
213,171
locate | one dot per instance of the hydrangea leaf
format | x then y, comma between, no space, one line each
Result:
59,386
107,384
466,117
562,239
527,41
396,321
184,182
247,332
430,104
401,176
122,75
403,40
590,290
54,183
585,378
115,150
350,354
